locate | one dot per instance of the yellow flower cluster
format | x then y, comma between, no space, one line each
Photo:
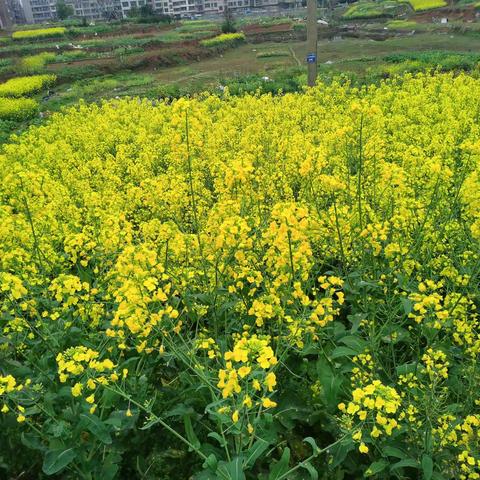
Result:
375,405
9,385
168,228
247,380
84,362
436,363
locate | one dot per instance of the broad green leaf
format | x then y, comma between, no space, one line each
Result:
313,444
191,436
343,352
408,462
340,451
218,438
95,426
255,451
311,470
281,467
211,463
233,470
354,342
376,467
56,460
394,452
427,467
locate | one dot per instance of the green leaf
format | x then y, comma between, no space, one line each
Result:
408,462
340,451
394,452
255,451
313,444
56,460
233,469
376,467
281,467
211,463
311,470
331,383
218,438
95,426
343,352
427,467
191,436
354,342
407,305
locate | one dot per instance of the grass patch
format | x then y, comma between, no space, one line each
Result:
402,24
273,53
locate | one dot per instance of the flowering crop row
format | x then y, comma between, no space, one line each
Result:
20,86
35,63
38,33
225,39
244,288
420,5
17,108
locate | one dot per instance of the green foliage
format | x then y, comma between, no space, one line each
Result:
402,24
63,10
273,53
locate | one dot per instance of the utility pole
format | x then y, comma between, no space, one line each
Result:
312,34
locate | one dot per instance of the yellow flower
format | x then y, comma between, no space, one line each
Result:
363,448
90,398
77,389
270,381
244,371
235,416
21,418
267,403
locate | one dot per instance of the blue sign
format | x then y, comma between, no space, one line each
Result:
311,58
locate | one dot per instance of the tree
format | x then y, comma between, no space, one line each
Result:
228,25
146,11
63,10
